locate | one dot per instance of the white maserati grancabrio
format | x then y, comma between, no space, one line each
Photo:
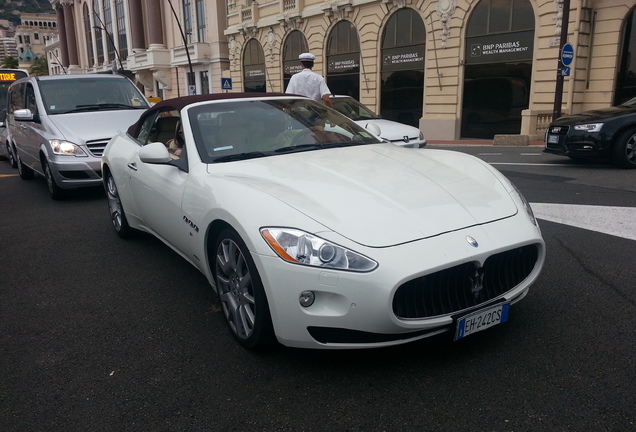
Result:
316,234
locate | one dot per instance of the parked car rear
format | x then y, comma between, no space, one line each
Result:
59,125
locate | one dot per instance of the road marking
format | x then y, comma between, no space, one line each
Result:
539,164
490,154
531,154
616,221
8,175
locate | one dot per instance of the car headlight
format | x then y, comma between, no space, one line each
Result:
592,127
298,247
526,205
65,148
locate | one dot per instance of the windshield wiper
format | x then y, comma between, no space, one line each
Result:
102,106
300,147
239,156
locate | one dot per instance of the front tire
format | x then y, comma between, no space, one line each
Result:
624,150
55,191
241,292
116,210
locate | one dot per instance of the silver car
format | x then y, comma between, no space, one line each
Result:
59,125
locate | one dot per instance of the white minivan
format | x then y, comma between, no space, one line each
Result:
60,124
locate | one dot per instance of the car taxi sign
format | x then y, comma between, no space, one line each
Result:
567,54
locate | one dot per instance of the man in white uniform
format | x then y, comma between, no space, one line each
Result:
308,83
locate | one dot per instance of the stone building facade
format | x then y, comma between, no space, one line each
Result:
455,68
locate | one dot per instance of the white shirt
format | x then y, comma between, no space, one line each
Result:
308,83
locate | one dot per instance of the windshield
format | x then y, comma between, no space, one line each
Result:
352,109
236,130
65,96
630,103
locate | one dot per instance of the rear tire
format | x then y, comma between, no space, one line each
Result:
24,171
624,150
241,292
11,156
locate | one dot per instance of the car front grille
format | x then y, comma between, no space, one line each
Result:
464,286
561,132
96,147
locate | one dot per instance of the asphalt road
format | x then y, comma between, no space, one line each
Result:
102,334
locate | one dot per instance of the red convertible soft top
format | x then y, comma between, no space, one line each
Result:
180,102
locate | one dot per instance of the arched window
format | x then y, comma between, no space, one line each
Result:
295,45
498,56
254,67
99,41
343,60
403,50
88,33
626,78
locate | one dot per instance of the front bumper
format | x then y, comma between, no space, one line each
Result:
356,310
72,172
567,142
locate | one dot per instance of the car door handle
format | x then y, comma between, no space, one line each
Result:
133,166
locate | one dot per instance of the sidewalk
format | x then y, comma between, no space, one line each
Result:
479,143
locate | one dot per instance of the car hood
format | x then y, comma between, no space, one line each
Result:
95,125
390,130
594,115
380,195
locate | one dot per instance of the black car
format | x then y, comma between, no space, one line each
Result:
604,133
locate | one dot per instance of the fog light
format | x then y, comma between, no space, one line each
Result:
307,298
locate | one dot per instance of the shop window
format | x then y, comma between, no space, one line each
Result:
343,60
403,50
295,45
626,79
254,67
498,57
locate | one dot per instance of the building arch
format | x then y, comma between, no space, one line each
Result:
403,47
254,78
343,60
499,50
625,83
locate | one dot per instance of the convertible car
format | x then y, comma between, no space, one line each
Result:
315,233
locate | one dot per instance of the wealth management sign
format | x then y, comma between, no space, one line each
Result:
501,48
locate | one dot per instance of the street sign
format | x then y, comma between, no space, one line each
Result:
226,83
567,54
565,71
192,89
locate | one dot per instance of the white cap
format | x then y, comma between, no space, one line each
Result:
307,56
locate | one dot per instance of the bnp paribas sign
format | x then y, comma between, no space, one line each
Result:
500,48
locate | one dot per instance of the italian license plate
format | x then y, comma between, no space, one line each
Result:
481,320
553,139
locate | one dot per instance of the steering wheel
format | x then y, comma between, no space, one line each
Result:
306,136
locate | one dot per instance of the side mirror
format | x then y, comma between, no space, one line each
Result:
23,115
373,128
154,153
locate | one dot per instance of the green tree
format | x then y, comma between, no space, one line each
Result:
10,62
39,67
